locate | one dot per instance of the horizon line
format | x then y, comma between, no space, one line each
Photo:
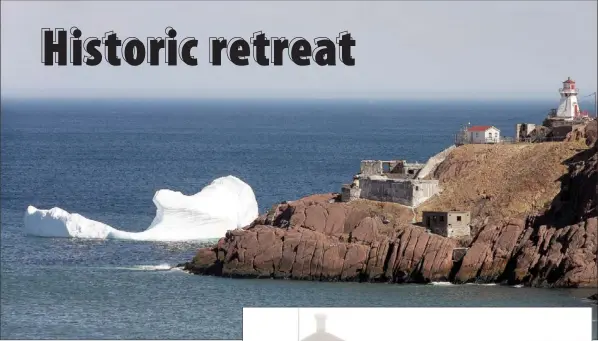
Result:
289,98
348,96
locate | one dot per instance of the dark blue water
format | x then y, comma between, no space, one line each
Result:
105,159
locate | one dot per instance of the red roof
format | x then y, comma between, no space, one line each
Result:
479,128
569,80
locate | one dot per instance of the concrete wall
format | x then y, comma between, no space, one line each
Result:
458,218
458,231
402,191
452,231
379,167
345,193
412,169
523,130
371,167
406,170
423,190
529,127
433,162
435,220
389,190
349,193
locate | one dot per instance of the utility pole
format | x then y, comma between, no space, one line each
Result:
595,105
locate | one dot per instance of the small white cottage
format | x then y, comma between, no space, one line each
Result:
483,134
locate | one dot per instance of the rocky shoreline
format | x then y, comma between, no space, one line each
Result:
319,238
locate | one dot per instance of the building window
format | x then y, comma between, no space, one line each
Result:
441,219
417,188
458,218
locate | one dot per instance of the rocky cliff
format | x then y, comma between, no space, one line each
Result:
318,238
521,237
585,132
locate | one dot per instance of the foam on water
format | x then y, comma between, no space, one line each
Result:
225,204
159,267
164,267
452,284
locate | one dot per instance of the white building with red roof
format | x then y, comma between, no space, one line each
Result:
483,134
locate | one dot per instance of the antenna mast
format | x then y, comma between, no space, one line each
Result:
595,105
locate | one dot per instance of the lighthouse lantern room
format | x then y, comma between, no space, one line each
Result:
568,108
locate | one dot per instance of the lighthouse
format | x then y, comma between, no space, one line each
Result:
568,108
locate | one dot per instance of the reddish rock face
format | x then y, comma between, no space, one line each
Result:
326,240
317,238
591,132
536,255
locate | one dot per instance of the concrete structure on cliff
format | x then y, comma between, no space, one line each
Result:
390,181
408,192
452,224
397,181
529,132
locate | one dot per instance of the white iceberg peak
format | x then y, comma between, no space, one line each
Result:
225,204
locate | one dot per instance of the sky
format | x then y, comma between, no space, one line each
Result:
457,50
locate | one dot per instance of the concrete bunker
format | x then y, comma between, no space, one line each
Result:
452,224
408,192
390,181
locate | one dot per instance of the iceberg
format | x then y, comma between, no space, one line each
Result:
227,203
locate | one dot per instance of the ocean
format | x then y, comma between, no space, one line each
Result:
105,159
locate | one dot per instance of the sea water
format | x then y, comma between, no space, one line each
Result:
105,160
